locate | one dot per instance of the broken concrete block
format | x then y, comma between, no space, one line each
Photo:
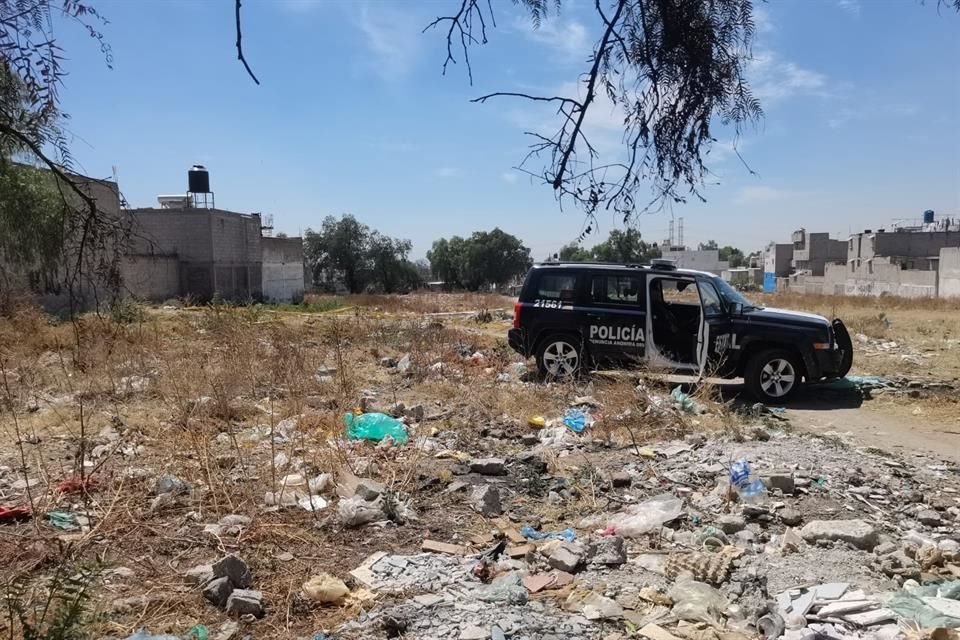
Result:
621,479
234,568
244,601
199,575
218,590
489,466
859,533
731,523
565,557
434,546
485,500
610,550
791,517
782,480
520,550
930,518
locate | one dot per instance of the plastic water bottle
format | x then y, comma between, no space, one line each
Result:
750,490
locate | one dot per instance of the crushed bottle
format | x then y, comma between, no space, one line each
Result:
749,488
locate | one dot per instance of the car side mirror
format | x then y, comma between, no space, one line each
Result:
736,309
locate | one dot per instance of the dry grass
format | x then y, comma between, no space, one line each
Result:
199,393
926,331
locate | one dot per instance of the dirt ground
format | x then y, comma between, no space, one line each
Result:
233,400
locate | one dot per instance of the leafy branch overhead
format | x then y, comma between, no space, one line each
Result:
670,68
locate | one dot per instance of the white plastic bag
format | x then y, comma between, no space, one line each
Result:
647,516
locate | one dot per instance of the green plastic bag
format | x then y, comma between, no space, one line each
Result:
374,426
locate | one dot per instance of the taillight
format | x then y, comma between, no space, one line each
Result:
516,316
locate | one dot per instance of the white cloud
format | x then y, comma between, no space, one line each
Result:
852,7
762,19
866,109
774,79
566,37
509,177
392,38
302,6
447,172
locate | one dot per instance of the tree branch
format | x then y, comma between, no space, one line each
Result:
240,56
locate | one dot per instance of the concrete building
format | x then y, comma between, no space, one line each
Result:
813,251
743,277
198,253
777,259
283,271
701,260
909,262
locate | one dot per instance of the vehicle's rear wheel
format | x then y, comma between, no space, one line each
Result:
845,345
559,356
772,376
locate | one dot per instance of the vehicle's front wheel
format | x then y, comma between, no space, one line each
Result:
772,376
559,356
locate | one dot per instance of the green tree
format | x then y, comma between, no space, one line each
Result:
625,246
574,252
485,258
734,256
708,245
348,251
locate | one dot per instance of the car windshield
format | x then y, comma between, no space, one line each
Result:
730,295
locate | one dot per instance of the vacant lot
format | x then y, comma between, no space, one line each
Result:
236,403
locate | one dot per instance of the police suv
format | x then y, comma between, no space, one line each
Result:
573,315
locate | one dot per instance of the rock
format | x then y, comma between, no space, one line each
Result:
860,534
433,546
416,413
170,484
731,523
791,542
930,518
533,459
529,439
791,517
593,606
566,557
485,499
782,480
325,588
244,601
610,550
621,479
388,363
488,466
235,569
745,537
356,512
885,548
473,632
218,590
403,364
161,502
199,575
369,489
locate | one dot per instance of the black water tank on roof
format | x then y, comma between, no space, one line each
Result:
198,180
928,216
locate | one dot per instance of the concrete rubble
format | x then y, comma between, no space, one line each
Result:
836,545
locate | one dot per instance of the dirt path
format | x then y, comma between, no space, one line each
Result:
874,426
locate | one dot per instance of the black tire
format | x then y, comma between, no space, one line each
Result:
559,356
773,376
842,336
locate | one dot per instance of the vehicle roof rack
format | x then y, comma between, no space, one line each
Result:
663,263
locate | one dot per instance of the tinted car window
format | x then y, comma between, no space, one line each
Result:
557,286
711,299
616,289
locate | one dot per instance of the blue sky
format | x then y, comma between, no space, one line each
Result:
862,125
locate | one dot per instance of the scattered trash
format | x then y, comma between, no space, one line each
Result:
325,588
537,422
750,491
696,601
312,503
531,534
375,426
356,512
14,514
684,401
63,520
198,632
74,485
647,516
142,634
577,420
928,607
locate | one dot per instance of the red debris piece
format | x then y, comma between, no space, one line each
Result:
73,485
14,514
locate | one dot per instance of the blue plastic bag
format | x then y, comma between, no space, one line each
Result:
374,426
531,534
577,420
